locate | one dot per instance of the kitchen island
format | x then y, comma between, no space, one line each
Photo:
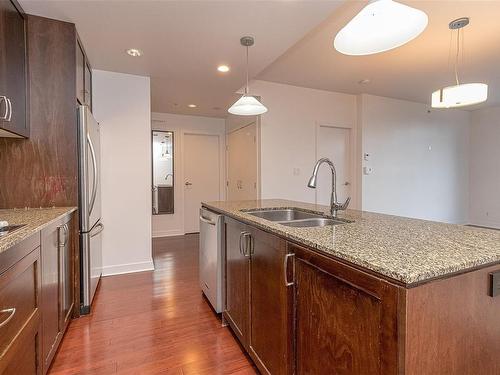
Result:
376,294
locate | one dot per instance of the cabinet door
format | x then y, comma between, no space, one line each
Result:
80,74
50,293
346,320
66,274
20,316
237,281
271,307
88,86
12,70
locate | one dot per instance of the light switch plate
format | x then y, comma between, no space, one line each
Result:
495,284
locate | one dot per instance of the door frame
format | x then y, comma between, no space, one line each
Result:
257,150
222,169
352,162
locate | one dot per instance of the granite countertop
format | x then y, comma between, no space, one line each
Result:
35,219
407,250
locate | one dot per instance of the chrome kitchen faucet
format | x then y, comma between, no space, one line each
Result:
334,204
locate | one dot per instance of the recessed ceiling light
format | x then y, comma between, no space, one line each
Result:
364,81
192,105
223,68
134,52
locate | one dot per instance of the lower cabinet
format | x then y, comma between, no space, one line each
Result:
20,311
298,312
259,298
57,286
346,320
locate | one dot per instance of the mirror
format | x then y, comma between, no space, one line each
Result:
163,172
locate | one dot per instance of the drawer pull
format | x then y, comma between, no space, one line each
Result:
11,312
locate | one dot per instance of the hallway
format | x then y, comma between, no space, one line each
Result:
153,323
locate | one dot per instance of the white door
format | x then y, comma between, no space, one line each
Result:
334,144
201,176
242,163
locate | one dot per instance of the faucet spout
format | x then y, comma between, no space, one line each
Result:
335,206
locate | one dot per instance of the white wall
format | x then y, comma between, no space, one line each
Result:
420,160
172,225
122,107
485,168
288,135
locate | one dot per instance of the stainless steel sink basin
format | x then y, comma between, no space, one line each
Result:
293,217
283,215
315,222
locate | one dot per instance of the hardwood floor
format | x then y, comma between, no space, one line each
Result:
153,323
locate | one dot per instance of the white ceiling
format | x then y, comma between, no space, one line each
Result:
410,72
184,42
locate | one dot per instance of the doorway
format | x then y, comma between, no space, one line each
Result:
334,143
242,163
202,171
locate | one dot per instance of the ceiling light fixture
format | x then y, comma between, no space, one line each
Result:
134,52
380,26
247,105
192,105
461,94
223,68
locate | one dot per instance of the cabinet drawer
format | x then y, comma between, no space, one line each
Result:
18,298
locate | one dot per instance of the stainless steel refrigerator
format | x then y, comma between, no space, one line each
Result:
91,226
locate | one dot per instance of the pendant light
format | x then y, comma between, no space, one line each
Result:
461,94
247,105
380,26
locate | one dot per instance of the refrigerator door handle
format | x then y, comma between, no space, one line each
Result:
99,228
96,174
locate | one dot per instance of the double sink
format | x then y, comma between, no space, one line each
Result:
293,217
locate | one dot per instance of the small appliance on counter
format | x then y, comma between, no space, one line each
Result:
211,253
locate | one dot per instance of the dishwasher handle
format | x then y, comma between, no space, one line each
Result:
205,220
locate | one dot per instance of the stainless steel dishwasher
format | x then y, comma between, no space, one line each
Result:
211,253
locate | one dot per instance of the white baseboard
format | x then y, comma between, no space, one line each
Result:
120,269
485,223
168,233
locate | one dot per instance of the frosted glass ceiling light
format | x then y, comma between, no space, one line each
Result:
461,94
247,105
380,26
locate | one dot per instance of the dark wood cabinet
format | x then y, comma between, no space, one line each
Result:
19,309
271,304
57,285
259,296
237,272
346,320
13,93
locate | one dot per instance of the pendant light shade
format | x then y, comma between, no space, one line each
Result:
380,26
460,95
247,105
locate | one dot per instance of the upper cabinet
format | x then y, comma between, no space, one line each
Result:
13,103
83,77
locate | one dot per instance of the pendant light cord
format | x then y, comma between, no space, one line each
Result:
456,57
246,87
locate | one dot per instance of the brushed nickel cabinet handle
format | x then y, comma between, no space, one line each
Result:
10,109
5,114
11,313
285,270
247,248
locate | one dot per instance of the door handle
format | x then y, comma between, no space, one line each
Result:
96,173
347,183
285,270
187,183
